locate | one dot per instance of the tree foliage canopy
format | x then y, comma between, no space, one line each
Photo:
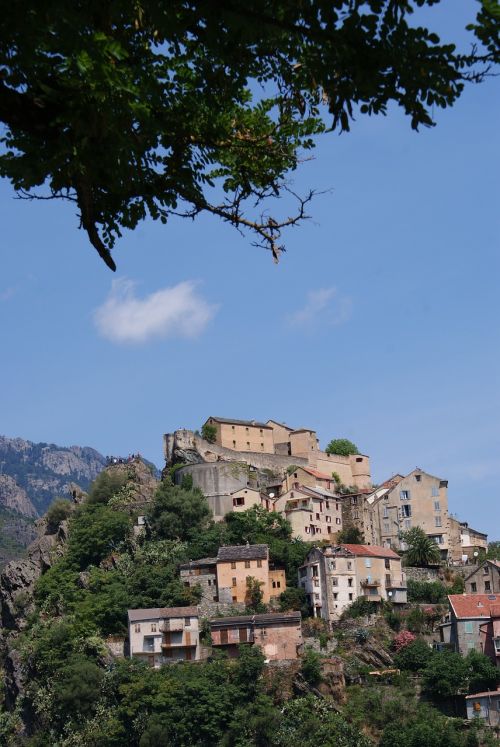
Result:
341,446
421,549
130,109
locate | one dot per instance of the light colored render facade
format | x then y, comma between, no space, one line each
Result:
314,513
417,500
163,635
334,577
278,635
243,435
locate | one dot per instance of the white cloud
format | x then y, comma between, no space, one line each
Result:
178,311
323,305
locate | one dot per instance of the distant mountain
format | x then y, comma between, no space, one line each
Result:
32,475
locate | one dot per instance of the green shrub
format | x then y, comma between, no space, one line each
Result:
311,667
342,447
209,433
414,657
58,512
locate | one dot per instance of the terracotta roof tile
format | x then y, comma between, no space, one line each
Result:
371,551
474,605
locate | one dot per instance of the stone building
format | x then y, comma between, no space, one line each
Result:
485,579
464,541
162,635
278,635
333,577
417,500
242,435
473,624
224,578
484,706
312,512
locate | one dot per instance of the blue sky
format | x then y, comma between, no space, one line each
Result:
381,322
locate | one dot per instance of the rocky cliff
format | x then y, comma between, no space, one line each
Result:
33,474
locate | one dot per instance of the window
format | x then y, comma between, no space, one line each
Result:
328,519
469,627
487,586
149,644
437,506
407,523
359,459
239,501
137,628
349,582
434,491
232,427
247,564
328,504
437,521
405,511
248,444
335,595
355,514
233,581
486,570
368,562
295,474
262,447
329,530
350,597
385,513
333,565
259,564
261,431
387,563
349,565
337,520
233,565
354,500
335,581
274,584
153,627
418,478
317,517
278,584
307,530
386,527
404,495
187,621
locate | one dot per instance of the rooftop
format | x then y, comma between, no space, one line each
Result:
482,695
371,551
265,619
242,552
231,421
201,563
474,605
154,613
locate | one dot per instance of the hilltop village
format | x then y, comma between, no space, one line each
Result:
268,571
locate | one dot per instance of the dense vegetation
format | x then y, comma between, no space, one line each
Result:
342,447
78,695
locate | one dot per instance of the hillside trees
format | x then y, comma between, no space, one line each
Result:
178,513
162,108
421,550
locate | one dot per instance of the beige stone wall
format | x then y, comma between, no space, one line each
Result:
302,477
302,443
245,498
279,641
426,499
281,435
234,578
277,582
358,512
243,437
485,580
310,517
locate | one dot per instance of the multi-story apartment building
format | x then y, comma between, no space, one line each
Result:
164,634
278,635
308,477
224,578
485,579
417,500
314,513
333,577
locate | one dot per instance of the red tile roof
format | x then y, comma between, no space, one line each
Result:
371,551
474,605
315,473
482,695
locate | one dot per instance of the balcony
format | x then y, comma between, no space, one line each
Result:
370,582
299,506
173,626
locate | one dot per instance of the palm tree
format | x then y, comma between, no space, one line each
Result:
422,550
